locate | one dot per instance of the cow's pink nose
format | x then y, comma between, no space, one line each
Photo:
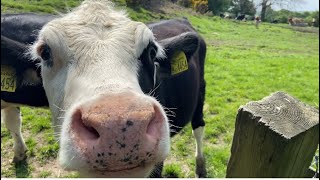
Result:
117,132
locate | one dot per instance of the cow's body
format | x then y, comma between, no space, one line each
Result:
17,31
241,17
187,98
182,97
297,22
257,21
23,27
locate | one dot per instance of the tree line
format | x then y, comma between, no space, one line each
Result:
238,7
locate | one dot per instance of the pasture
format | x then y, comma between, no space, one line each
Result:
243,64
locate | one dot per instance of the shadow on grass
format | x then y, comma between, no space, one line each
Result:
171,175
22,169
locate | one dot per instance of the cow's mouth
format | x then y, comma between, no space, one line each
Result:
135,171
117,170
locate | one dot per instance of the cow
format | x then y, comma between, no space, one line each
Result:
21,82
229,16
257,21
313,24
241,17
112,84
297,22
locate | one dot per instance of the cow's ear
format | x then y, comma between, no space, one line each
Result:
13,49
178,51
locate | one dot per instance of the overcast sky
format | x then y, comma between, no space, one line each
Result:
307,5
304,5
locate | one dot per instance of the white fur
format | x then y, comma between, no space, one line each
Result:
198,134
11,117
95,51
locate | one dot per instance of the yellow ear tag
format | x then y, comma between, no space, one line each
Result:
179,63
8,79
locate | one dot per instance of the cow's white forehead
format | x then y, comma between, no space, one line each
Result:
96,29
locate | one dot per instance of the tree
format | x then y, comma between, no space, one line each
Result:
132,3
218,6
243,7
270,15
265,4
184,3
200,6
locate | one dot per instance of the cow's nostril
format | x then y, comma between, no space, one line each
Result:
82,129
94,133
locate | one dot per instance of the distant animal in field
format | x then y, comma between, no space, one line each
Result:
229,16
275,21
297,22
241,17
257,21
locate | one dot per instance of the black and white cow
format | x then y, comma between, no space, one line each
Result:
21,83
241,17
112,85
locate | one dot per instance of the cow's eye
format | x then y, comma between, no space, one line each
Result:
45,52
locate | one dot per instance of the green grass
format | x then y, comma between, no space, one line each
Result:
243,64
43,6
173,171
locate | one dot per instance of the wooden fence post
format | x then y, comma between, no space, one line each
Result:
274,137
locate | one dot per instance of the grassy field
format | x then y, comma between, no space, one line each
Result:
243,64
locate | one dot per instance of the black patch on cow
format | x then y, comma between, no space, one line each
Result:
13,55
147,69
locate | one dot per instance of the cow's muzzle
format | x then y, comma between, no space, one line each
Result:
118,132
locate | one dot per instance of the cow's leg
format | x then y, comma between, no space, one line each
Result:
12,120
198,132
200,159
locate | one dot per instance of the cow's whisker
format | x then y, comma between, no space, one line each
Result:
59,108
171,115
155,89
171,125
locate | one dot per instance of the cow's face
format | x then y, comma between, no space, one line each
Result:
98,69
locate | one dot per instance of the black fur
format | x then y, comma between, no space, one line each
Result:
17,32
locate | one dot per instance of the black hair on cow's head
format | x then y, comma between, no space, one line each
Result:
178,51
148,76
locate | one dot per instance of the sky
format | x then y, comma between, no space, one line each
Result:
307,5
303,5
